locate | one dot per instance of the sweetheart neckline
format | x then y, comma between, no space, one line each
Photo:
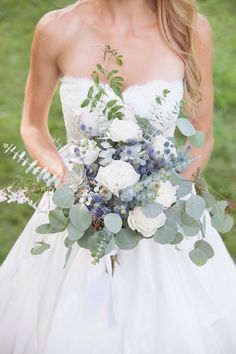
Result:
65,78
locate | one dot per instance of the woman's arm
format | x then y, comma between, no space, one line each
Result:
40,87
204,112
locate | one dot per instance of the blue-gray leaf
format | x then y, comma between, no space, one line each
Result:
165,235
73,233
195,206
127,239
113,222
198,256
64,197
152,210
57,220
205,247
197,139
185,126
80,217
43,246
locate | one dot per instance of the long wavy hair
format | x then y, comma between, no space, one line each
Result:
177,23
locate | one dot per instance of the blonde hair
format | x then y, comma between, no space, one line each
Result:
177,20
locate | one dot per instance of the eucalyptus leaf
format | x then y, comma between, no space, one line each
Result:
198,256
205,247
197,139
83,242
152,210
209,199
42,246
113,222
185,126
165,235
80,217
68,243
93,242
190,226
219,207
178,238
73,233
222,223
64,197
195,206
185,187
174,213
57,220
127,239
43,229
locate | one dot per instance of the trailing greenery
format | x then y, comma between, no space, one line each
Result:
18,20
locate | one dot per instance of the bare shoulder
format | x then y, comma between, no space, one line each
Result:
63,22
52,24
204,29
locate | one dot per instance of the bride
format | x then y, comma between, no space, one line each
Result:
157,301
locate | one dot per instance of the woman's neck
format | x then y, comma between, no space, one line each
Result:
135,13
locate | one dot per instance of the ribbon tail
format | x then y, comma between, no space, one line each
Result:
111,318
95,291
99,276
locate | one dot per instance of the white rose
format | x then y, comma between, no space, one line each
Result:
166,194
158,144
137,220
124,130
117,176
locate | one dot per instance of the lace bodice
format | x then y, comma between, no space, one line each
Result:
138,98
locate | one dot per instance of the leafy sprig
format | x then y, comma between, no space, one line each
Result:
31,166
96,93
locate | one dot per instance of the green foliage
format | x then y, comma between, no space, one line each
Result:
113,222
201,253
40,248
18,20
127,239
80,217
165,235
185,126
64,197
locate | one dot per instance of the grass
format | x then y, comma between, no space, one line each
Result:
17,23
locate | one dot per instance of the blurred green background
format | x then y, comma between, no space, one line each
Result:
17,24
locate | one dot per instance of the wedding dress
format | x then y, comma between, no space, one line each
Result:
156,302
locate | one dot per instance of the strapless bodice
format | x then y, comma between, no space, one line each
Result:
140,98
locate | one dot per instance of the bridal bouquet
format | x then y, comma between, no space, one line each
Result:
124,180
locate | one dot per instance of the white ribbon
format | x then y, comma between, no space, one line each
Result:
95,291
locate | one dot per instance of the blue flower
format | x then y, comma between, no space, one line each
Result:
127,195
97,198
167,143
83,127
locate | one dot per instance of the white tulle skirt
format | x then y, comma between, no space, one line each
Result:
157,302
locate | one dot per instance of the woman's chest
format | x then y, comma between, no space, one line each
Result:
145,57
